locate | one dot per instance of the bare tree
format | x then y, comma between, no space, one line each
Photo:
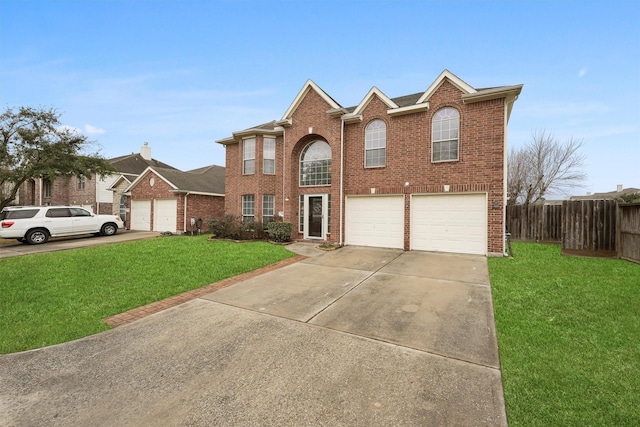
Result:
543,165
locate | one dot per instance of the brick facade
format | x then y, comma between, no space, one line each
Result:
480,167
198,205
64,191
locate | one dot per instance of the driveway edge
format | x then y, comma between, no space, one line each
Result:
155,307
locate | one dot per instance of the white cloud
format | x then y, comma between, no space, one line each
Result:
582,72
92,130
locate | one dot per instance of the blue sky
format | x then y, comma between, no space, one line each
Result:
182,74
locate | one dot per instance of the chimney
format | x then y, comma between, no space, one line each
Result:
619,188
145,151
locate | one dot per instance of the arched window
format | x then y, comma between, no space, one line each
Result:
315,164
445,138
375,144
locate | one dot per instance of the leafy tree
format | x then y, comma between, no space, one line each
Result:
34,144
543,165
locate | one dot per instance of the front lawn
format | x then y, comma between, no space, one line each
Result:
60,296
569,337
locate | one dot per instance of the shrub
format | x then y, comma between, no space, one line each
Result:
227,226
280,231
230,226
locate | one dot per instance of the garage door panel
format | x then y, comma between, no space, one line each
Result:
375,221
165,215
449,223
140,215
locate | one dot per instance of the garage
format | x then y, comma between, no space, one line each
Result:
449,223
165,215
140,215
375,221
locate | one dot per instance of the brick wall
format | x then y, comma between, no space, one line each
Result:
480,167
198,206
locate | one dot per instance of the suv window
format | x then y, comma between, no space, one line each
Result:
79,212
18,214
58,213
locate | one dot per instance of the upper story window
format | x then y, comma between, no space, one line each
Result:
315,164
375,144
248,156
82,181
445,137
269,156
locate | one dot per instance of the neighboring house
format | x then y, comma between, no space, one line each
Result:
611,195
166,200
93,193
425,171
112,188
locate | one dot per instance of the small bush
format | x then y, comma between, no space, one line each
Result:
280,231
227,226
230,226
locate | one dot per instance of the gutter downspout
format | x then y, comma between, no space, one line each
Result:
505,173
341,176
41,191
284,169
184,214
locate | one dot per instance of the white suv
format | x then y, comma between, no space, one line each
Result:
35,224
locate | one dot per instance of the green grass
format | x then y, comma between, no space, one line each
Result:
57,297
569,337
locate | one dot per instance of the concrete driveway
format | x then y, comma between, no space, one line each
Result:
353,337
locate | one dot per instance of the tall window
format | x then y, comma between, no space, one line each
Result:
269,156
301,214
249,156
375,144
81,182
47,187
315,164
445,135
248,204
268,208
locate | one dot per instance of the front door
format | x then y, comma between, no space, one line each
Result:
315,216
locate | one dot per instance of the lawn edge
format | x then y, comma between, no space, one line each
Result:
141,312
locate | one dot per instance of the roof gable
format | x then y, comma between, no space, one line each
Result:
206,180
309,86
374,91
135,164
452,78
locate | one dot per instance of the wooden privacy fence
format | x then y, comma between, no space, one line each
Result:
583,227
629,232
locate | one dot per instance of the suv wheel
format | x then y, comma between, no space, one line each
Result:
37,236
109,229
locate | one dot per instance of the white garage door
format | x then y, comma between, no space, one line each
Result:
165,214
449,223
375,221
140,215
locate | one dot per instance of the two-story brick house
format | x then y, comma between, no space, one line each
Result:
425,171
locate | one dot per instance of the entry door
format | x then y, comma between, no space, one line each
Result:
316,216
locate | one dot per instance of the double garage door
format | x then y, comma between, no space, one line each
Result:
164,218
441,222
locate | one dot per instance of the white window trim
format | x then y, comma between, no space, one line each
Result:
370,149
253,210
244,159
300,184
457,159
264,158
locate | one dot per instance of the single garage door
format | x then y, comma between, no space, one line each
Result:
375,221
449,223
140,215
165,215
